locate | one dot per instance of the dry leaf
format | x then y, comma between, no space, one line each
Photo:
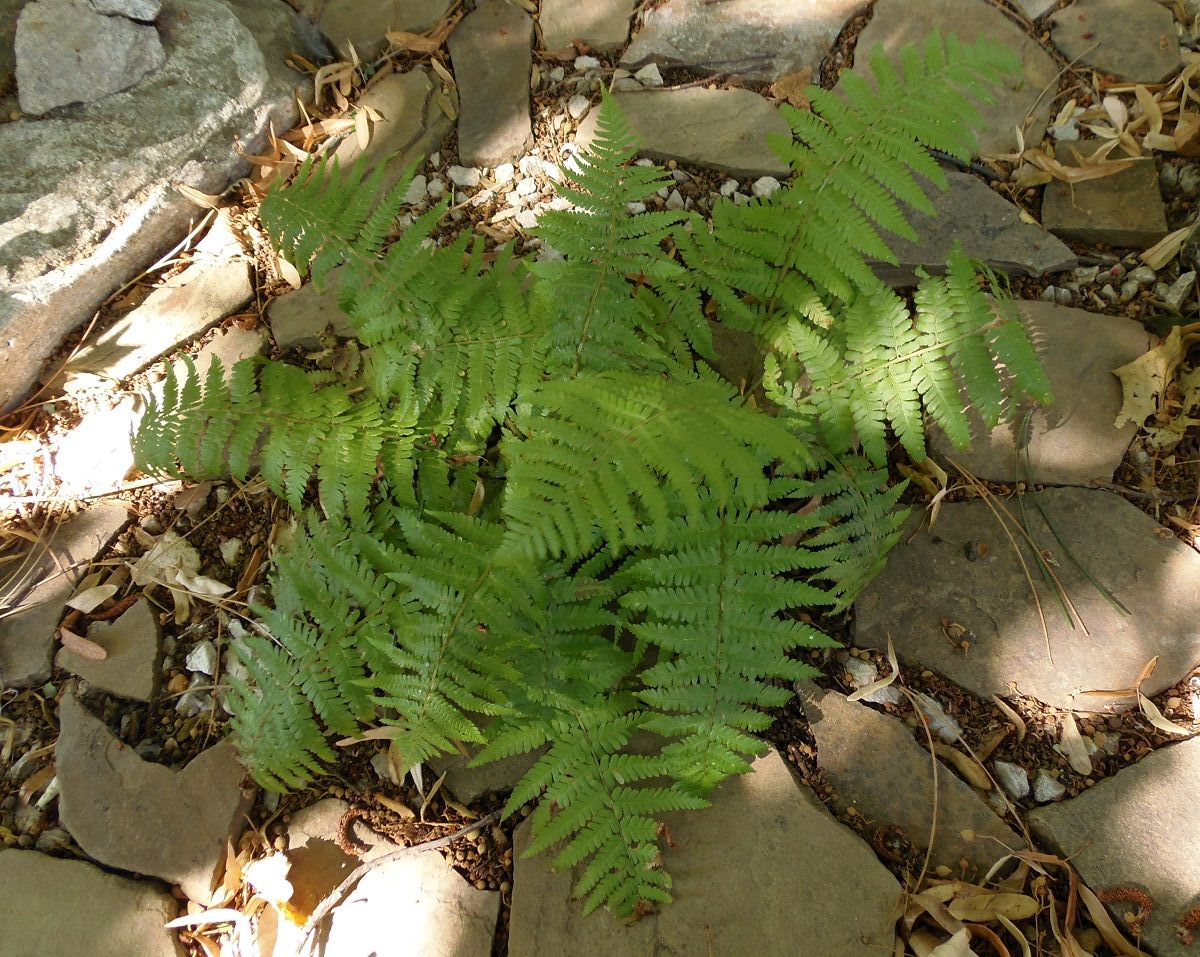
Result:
203,200
84,647
362,131
1167,248
971,770
1012,716
791,88
957,946
1155,717
1016,933
288,273
399,807
869,689
1073,746
1104,924
414,42
89,599
1144,379
981,908
36,783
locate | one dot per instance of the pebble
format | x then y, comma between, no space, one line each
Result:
675,200
416,190
435,160
765,185
729,187
1013,778
649,75
527,187
504,173
1085,274
229,550
1129,289
435,188
585,63
578,106
1178,292
467,176
1189,180
635,208
1046,788
202,658
944,726
1107,293
1168,178
1173,703
527,219
177,685
1143,275
556,75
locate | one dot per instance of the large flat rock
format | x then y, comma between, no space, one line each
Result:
362,24
27,635
762,869
1131,40
1138,828
88,196
755,39
895,23
50,906
1072,441
725,130
601,25
491,49
876,767
940,575
131,668
988,227
143,817
301,317
1125,209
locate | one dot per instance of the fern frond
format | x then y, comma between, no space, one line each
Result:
711,602
616,453
597,318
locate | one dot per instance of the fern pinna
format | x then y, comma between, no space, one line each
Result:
536,520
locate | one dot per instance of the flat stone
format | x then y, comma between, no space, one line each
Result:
134,9
987,225
363,23
1013,778
469,784
1134,41
931,578
299,319
492,56
412,125
601,25
752,875
723,129
97,453
876,767
131,669
1035,9
755,39
67,52
893,24
1137,827
231,346
318,863
53,906
1047,788
1072,441
1125,209
68,240
143,817
27,636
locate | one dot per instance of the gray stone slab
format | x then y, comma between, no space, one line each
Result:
756,39
67,52
895,23
722,129
1072,441
318,862
231,346
1139,828
67,239
491,49
27,635
876,767
145,10
933,577
143,817
602,25
469,784
988,227
301,317
1125,209
1035,9
52,906
363,23
412,125
1132,40
765,867
132,641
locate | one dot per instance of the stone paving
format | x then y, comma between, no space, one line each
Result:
768,865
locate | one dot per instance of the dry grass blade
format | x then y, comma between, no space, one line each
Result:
1017,721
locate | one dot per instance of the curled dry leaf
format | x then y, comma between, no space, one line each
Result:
84,647
1167,248
397,807
1017,721
1155,717
1103,922
872,687
1144,379
1015,931
981,908
89,599
1073,746
970,770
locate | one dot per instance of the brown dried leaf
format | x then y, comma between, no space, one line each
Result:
36,783
81,646
981,908
1072,744
399,807
972,771
1144,379
203,200
1104,924
90,598
1155,717
414,42
1012,716
1167,248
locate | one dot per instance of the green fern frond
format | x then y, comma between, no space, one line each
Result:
615,454
711,603
596,316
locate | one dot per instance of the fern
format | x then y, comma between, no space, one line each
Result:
541,521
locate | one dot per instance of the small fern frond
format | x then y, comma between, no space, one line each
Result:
712,602
616,453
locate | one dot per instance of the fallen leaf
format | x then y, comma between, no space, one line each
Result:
203,200
398,807
36,783
1017,721
981,908
92,598
1073,746
414,42
1155,717
1167,248
792,88
971,770
957,946
1104,924
1144,379
869,689
84,647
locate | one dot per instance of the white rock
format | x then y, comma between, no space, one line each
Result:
552,172
513,198
230,549
649,75
1013,778
134,9
527,187
765,186
675,200
202,658
729,187
463,175
482,197
435,188
585,63
635,208
1046,788
944,726
556,75
504,173
527,219
529,165
435,160
416,190
578,106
